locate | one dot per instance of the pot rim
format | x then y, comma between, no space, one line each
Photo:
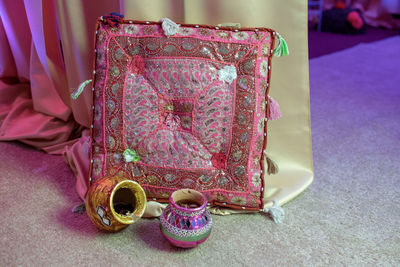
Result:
140,196
192,192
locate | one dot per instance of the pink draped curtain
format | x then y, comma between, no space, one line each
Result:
35,85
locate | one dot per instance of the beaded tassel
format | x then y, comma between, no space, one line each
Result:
282,49
276,212
79,89
274,111
273,168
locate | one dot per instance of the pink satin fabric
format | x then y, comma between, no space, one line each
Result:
35,103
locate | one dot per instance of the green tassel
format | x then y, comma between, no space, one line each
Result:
282,49
79,90
131,155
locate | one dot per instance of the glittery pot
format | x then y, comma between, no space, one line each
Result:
186,227
108,191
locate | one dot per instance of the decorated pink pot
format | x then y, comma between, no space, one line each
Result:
186,222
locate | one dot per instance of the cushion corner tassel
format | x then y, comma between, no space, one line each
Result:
78,91
274,111
273,168
170,27
282,49
276,212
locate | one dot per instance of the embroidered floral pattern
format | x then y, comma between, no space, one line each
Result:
239,201
193,104
240,35
256,180
204,32
223,34
264,68
185,31
173,122
131,29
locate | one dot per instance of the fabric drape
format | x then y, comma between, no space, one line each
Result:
47,50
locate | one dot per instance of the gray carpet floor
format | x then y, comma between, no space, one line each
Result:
349,216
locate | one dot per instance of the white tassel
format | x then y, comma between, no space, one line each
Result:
169,27
276,212
79,89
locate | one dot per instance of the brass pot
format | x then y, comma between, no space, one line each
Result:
113,203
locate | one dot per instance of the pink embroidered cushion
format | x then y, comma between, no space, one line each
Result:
184,111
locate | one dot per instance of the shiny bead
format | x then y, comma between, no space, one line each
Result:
236,30
147,22
93,89
95,50
94,72
217,28
262,189
130,21
91,161
91,126
256,30
154,198
224,203
244,208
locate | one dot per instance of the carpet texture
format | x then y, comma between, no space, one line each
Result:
349,216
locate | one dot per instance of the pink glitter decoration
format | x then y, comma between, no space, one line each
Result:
219,160
137,65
